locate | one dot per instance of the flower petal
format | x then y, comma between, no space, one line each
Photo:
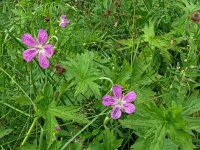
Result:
48,50
107,100
43,61
62,16
116,112
28,40
66,21
42,36
129,97
29,54
128,108
63,24
117,91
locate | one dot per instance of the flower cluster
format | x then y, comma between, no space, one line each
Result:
44,51
119,103
40,46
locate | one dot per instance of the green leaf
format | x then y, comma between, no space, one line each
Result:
109,142
84,72
76,146
158,138
169,145
56,145
48,90
192,104
50,128
23,100
68,113
125,73
62,88
149,32
181,137
161,42
156,123
139,144
95,146
5,132
194,123
28,147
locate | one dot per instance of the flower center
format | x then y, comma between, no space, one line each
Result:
62,21
40,47
119,102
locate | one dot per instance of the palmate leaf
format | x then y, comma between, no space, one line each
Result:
78,145
109,142
158,137
158,123
67,113
181,137
139,145
95,146
84,72
51,112
163,43
142,71
192,104
194,123
148,118
152,140
170,145
145,117
125,73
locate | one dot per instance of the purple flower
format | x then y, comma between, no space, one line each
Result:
119,103
63,21
58,128
39,47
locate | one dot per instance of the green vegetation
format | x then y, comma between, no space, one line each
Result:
151,47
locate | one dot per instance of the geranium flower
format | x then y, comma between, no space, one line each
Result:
39,47
63,21
119,102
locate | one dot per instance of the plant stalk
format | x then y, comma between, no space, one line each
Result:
29,131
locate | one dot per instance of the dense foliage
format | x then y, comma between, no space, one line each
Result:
150,47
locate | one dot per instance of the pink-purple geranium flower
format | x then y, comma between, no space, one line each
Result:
39,47
63,21
119,102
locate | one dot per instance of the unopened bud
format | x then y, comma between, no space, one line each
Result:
195,17
107,12
117,3
58,128
46,19
59,69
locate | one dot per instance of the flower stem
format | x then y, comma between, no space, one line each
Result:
85,127
29,131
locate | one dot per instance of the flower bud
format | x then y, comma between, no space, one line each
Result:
107,12
117,3
195,17
58,128
59,69
46,19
